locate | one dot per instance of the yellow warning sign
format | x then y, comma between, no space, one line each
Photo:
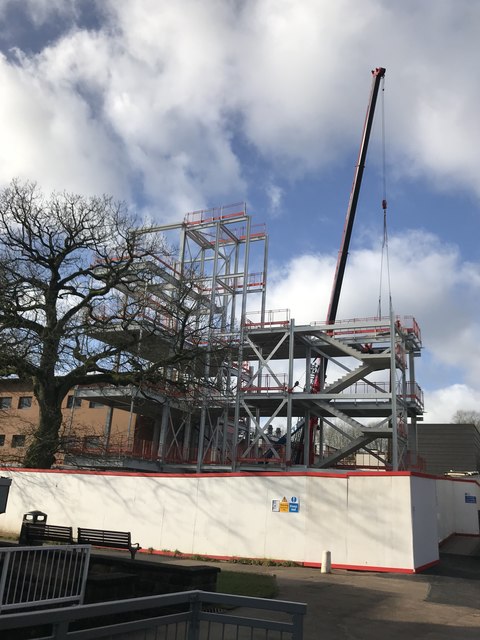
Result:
284,505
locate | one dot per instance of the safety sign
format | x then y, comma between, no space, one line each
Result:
285,505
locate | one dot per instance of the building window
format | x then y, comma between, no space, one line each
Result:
25,402
95,405
68,442
2,439
73,401
6,402
18,441
92,442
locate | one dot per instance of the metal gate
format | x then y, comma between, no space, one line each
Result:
36,577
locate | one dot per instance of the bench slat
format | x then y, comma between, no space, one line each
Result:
51,532
108,538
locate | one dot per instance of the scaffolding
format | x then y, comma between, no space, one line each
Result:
375,393
217,272
251,364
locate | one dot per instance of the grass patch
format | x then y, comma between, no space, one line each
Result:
241,583
8,535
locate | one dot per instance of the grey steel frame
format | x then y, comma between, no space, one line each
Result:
361,348
222,258
202,619
224,424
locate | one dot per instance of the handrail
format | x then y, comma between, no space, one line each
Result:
36,577
193,623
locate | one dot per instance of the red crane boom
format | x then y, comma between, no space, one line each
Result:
319,377
378,74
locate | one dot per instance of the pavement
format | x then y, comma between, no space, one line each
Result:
443,603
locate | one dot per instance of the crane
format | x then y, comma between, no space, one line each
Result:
321,363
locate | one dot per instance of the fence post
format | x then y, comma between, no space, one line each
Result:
194,622
3,576
297,630
60,630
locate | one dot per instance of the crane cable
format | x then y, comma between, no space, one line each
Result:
384,257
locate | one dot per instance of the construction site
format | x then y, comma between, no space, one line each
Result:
358,375
228,457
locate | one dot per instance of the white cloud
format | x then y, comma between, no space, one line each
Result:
157,94
275,195
125,104
303,285
428,280
444,403
48,134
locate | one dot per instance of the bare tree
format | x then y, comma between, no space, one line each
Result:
336,439
80,303
467,417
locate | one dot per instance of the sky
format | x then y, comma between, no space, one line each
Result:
177,106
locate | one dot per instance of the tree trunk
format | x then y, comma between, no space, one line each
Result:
45,440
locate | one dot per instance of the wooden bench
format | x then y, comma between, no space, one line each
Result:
110,539
36,532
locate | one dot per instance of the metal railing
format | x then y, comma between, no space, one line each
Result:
34,577
189,615
271,318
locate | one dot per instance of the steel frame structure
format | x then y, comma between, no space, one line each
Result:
376,393
225,424
221,259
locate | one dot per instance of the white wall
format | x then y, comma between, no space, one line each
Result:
445,509
364,519
456,515
424,519
379,521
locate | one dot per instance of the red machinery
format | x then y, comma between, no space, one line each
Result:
321,363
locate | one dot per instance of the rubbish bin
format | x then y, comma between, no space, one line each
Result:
4,489
32,517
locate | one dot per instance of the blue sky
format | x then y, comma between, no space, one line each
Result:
175,106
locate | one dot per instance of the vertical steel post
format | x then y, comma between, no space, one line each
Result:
264,287
412,426
246,259
291,353
187,436
163,430
404,410
210,331
393,391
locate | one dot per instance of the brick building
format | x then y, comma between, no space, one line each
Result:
87,425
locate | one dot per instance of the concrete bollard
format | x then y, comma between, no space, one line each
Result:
326,562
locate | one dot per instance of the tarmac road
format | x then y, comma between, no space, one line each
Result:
349,605
442,603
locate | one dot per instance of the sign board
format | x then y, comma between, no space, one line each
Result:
286,506
470,499
294,505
